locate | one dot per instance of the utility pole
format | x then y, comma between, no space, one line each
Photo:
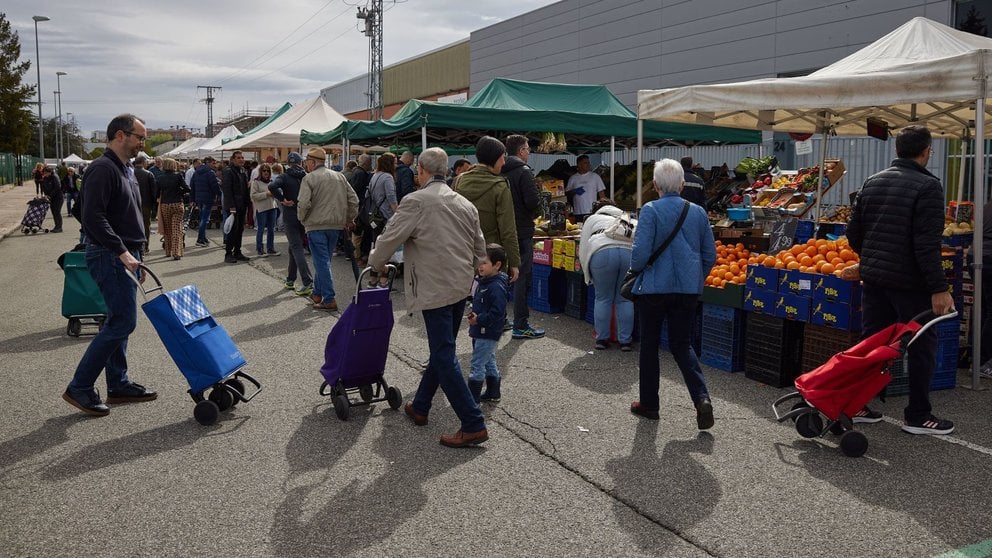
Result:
210,106
373,30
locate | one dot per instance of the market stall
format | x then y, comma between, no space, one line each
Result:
921,73
283,129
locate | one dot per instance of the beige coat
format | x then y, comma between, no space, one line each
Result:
326,200
260,196
442,245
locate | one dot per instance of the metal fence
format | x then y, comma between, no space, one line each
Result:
9,167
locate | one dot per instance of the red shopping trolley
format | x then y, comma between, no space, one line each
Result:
843,385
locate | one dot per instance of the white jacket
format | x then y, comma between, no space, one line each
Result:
592,238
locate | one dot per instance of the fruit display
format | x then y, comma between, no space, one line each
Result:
841,215
730,267
952,228
756,167
552,143
815,256
541,228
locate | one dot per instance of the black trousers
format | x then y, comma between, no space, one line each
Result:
883,307
56,207
232,246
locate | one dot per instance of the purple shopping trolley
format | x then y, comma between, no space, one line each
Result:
356,349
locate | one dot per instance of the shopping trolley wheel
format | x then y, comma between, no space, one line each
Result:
74,328
809,425
366,392
853,443
222,398
802,404
206,412
238,386
394,397
342,408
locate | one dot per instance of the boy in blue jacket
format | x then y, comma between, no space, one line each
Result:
486,323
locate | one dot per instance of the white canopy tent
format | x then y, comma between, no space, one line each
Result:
312,114
921,73
212,146
74,160
188,145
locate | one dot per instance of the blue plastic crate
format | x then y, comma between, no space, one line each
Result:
804,228
548,290
722,337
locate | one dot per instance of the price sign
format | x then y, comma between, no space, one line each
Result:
804,147
782,235
544,204
556,216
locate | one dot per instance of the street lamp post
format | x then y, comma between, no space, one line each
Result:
58,107
71,118
37,57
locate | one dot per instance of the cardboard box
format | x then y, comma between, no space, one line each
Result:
792,307
558,246
569,247
760,301
835,314
542,251
796,282
556,261
761,277
834,174
830,288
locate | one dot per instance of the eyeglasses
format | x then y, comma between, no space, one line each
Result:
140,137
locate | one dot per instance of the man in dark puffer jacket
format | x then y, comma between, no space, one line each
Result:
896,228
525,205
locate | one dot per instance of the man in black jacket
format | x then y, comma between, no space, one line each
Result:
235,197
149,193
361,177
52,187
286,189
525,203
692,190
896,228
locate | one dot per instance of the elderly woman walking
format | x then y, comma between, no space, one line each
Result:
669,288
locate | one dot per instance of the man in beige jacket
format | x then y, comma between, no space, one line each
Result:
442,246
327,205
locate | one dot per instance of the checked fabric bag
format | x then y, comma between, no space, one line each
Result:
201,348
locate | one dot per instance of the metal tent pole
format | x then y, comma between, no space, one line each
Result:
979,177
613,162
640,162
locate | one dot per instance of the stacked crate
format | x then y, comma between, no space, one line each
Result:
773,349
722,338
945,370
547,290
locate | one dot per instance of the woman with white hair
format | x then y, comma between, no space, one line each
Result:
669,288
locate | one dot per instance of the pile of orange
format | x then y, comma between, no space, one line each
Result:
730,267
815,256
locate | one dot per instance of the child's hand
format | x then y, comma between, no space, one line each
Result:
473,318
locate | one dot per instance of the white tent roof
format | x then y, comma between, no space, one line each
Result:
923,72
188,145
73,159
313,114
212,146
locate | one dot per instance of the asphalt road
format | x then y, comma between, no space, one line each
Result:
568,471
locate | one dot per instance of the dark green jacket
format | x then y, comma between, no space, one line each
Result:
490,194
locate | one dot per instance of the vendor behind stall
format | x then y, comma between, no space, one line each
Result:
584,187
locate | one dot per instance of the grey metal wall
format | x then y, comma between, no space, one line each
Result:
629,45
348,96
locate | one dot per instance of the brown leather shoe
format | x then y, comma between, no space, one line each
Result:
315,299
418,419
464,439
332,306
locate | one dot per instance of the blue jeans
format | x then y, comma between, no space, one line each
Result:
205,209
484,359
607,268
680,311
321,244
266,220
444,371
108,350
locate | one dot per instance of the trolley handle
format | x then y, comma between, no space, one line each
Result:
931,320
391,273
141,288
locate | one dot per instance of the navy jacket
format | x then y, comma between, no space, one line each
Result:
489,305
112,205
524,192
404,181
204,184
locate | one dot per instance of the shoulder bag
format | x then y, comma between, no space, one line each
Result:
629,280
370,218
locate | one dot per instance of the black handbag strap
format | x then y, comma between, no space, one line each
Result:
671,237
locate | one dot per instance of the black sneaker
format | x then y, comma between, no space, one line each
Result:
241,257
230,259
87,402
931,425
867,416
131,393
602,345
704,414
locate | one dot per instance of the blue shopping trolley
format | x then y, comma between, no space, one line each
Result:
200,347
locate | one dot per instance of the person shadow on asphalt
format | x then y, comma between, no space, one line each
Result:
673,489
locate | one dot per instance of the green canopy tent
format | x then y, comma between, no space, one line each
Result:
585,114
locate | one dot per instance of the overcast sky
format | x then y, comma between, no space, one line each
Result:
140,57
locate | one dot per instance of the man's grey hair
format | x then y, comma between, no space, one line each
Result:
668,176
407,157
365,160
435,161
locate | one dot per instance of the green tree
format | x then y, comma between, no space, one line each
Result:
15,97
